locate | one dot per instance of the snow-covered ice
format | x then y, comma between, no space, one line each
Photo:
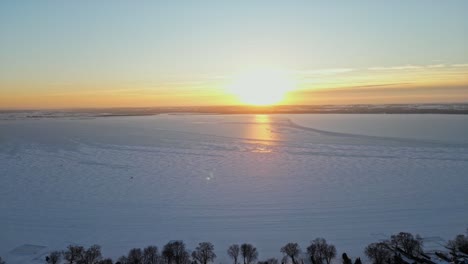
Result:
125,182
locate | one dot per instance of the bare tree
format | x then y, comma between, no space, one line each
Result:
135,256
379,253
92,255
150,255
330,253
74,254
122,260
174,252
358,261
291,250
269,261
249,253
168,254
320,251
314,254
106,261
346,259
233,252
408,243
54,257
204,253
460,243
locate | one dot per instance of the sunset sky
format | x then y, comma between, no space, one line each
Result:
64,54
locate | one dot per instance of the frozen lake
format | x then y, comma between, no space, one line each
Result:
125,182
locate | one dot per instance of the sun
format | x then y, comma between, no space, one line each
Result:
261,87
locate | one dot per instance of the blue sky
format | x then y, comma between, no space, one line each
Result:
47,46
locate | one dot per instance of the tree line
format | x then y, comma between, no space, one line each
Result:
401,248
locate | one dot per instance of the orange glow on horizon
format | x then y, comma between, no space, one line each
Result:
425,84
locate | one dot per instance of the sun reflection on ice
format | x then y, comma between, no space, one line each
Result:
262,135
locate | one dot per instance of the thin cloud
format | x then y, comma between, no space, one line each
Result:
416,67
389,88
404,67
436,66
363,87
326,71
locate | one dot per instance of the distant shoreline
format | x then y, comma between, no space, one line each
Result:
449,109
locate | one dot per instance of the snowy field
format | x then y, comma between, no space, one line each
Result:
125,182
